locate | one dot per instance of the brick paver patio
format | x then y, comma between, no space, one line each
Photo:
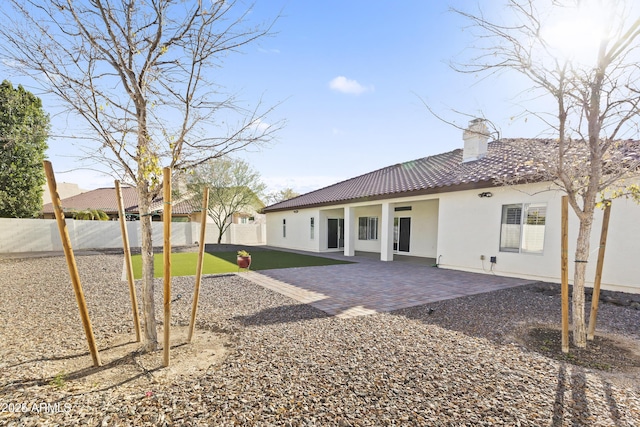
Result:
370,286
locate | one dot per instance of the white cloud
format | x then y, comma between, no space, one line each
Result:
259,125
345,85
268,51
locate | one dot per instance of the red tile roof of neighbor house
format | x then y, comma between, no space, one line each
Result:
434,174
105,199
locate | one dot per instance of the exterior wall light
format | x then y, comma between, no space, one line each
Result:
485,194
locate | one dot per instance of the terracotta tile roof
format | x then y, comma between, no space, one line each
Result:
105,200
101,198
185,207
434,174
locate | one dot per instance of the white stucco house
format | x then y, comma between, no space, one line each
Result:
449,209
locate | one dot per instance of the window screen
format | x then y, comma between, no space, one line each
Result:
368,228
522,228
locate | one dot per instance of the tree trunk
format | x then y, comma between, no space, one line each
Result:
577,298
148,304
223,229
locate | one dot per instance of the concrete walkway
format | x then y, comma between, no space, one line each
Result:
370,286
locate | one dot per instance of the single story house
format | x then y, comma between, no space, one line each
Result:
448,209
249,214
104,199
65,189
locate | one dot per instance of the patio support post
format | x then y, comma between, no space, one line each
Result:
349,232
386,234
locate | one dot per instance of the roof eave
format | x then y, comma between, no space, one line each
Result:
422,192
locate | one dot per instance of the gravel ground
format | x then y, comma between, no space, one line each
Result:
451,363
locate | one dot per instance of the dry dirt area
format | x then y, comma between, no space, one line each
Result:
612,354
125,364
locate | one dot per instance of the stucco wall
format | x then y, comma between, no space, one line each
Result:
469,227
298,230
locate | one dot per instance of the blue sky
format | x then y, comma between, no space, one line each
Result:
354,75
350,78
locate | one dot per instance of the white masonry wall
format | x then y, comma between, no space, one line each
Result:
33,235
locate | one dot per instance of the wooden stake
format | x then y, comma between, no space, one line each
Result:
595,296
196,290
71,263
564,265
127,261
166,250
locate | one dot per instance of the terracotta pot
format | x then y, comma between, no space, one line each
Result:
244,261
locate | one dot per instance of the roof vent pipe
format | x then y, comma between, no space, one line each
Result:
475,139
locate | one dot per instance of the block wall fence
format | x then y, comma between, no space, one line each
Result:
36,235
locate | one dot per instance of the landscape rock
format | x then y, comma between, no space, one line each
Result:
280,362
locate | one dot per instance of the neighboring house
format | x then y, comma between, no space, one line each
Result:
250,214
448,209
65,189
105,199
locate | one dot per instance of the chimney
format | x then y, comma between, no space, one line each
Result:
475,141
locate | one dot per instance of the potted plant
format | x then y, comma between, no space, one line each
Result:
244,259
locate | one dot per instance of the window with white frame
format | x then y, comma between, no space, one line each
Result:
522,228
368,228
312,225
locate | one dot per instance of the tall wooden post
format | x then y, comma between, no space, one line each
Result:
71,263
127,261
564,265
595,296
166,251
196,290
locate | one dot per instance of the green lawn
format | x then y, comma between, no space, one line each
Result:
184,263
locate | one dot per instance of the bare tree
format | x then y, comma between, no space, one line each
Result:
597,104
139,74
233,187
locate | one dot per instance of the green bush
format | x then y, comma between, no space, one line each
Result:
91,214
